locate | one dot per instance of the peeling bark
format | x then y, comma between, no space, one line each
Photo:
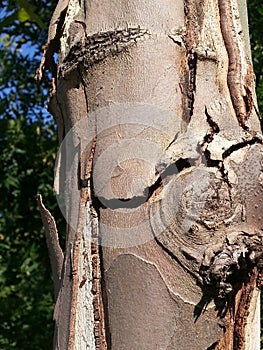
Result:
162,166
54,250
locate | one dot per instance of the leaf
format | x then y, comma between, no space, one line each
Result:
30,10
22,15
12,181
25,13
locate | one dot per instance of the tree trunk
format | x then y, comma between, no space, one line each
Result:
159,175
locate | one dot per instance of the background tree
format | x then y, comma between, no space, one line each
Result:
255,11
28,149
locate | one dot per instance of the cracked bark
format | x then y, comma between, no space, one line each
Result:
165,207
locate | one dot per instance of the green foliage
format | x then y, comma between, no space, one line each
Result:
28,146
25,284
36,14
255,11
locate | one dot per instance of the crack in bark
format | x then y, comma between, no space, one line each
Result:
102,341
214,126
213,346
173,141
208,138
192,65
137,201
241,145
253,139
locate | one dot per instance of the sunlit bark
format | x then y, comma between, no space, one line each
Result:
159,175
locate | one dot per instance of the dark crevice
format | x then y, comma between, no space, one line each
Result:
177,42
248,99
176,167
173,140
213,346
119,203
54,45
137,201
214,126
240,145
211,163
214,163
208,138
257,112
192,12
95,201
192,64
98,250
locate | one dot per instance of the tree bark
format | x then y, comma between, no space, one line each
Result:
159,175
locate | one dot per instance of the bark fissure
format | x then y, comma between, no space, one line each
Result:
208,138
213,125
75,276
250,138
213,346
137,201
173,141
192,66
241,145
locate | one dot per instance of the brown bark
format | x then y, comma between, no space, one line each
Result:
160,175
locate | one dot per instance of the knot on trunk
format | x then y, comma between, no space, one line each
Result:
224,269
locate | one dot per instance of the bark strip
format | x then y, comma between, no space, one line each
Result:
98,309
243,311
54,249
234,76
